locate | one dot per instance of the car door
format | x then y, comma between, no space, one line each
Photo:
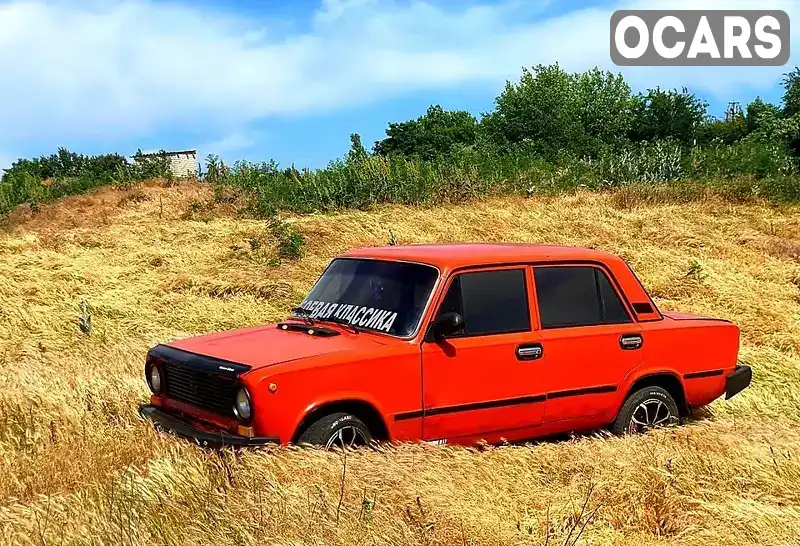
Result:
488,377
589,339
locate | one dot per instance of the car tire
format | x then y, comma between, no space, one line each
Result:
336,430
645,409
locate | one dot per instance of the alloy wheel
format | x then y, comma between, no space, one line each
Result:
347,437
652,413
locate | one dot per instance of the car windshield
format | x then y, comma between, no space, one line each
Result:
377,295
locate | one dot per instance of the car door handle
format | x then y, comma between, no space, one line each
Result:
630,342
531,351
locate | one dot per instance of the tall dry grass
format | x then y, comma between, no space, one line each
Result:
153,263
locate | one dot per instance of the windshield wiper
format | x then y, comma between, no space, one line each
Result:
305,314
343,322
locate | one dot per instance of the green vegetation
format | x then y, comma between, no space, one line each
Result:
550,131
437,133
288,241
43,179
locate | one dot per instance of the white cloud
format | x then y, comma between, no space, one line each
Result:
231,143
229,147
103,69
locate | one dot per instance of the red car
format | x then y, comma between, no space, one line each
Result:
449,344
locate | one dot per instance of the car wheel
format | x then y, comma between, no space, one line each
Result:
645,409
341,430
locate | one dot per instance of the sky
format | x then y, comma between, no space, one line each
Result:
290,80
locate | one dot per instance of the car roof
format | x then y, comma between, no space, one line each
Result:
457,255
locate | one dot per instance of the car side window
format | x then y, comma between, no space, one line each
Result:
613,311
577,296
491,302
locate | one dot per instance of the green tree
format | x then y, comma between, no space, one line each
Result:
357,151
542,110
553,111
774,128
667,114
433,134
791,110
605,109
759,110
791,92
725,131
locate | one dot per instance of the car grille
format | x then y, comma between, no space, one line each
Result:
204,390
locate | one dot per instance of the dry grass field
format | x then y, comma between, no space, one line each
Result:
153,263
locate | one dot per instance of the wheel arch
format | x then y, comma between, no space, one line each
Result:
362,409
668,381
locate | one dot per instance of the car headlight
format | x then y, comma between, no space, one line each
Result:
154,379
242,407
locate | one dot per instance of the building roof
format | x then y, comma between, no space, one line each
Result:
168,152
452,256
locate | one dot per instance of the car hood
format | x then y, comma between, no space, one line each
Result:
267,345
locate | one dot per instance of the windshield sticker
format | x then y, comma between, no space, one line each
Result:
358,315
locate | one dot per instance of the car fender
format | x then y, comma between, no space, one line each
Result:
340,397
640,372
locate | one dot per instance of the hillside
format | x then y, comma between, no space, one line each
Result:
154,263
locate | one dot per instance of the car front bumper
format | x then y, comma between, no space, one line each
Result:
173,424
738,381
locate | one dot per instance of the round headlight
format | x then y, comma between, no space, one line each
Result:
154,379
242,407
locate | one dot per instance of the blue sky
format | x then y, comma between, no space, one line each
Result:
291,80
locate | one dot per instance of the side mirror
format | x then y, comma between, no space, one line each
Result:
447,324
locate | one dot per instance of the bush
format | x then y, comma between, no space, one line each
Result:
749,157
64,173
66,164
657,161
436,133
288,241
667,115
751,167
362,181
543,109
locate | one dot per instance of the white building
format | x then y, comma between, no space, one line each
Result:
182,163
